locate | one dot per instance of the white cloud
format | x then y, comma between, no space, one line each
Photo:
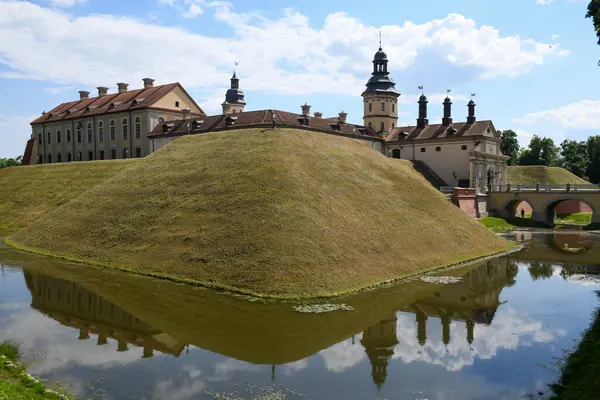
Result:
583,115
544,2
286,55
15,133
66,3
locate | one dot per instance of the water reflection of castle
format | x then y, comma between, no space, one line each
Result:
72,305
473,301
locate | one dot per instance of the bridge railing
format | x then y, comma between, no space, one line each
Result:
568,187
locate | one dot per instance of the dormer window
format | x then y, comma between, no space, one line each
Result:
230,120
451,131
196,124
138,101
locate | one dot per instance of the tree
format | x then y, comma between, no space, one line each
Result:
593,151
575,157
593,12
509,144
8,162
541,151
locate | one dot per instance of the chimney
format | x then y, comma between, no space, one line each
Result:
186,113
102,91
148,83
84,94
342,117
422,121
318,114
471,118
122,87
447,120
306,110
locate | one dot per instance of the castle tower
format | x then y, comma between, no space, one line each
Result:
379,342
234,98
380,97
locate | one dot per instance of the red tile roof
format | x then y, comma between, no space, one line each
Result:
251,119
110,103
439,131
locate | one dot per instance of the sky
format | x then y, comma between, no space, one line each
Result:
532,64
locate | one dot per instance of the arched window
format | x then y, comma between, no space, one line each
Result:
138,127
100,131
125,128
464,147
423,149
370,125
370,106
382,126
90,137
113,130
382,106
393,108
59,158
438,149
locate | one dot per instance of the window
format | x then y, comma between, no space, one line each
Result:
59,158
370,106
89,133
49,138
40,159
113,154
138,127
40,139
382,126
396,153
49,158
90,155
438,149
393,108
58,137
464,147
382,106
101,155
69,157
422,149
138,152
113,130
125,153
79,156
68,136
161,119
370,125
125,128
393,125
177,104
78,135
100,131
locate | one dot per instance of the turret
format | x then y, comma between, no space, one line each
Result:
447,120
379,342
422,121
471,107
234,98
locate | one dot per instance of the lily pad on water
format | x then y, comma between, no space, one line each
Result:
441,280
322,308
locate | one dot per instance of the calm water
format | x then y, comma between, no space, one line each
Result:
495,335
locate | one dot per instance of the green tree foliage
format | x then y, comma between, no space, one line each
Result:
10,162
593,12
539,270
541,151
593,151
575,157
509,144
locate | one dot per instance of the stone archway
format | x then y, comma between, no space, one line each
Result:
513,206
549,208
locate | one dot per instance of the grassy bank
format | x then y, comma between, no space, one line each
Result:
282,213
577,218
498,224
28,193
17,384
581,375
530,175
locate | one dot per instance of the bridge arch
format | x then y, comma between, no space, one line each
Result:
511,207
549,208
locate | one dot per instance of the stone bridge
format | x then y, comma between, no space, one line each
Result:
503,200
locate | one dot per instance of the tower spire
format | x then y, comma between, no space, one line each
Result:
380,48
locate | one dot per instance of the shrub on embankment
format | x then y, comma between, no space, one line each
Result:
285,213
28,193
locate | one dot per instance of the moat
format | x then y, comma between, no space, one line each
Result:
495,334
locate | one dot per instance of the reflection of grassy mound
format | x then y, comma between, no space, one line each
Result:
29,193
530,175
278,212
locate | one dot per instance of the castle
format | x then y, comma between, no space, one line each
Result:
135,123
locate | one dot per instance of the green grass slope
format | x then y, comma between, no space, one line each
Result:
285,213
28,193
530,175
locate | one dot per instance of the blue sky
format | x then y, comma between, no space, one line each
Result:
531,63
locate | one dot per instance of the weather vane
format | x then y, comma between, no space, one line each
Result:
472,95
380,39
235,64
421,89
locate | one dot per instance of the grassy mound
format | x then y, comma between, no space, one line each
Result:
28,193
530,175
283,212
